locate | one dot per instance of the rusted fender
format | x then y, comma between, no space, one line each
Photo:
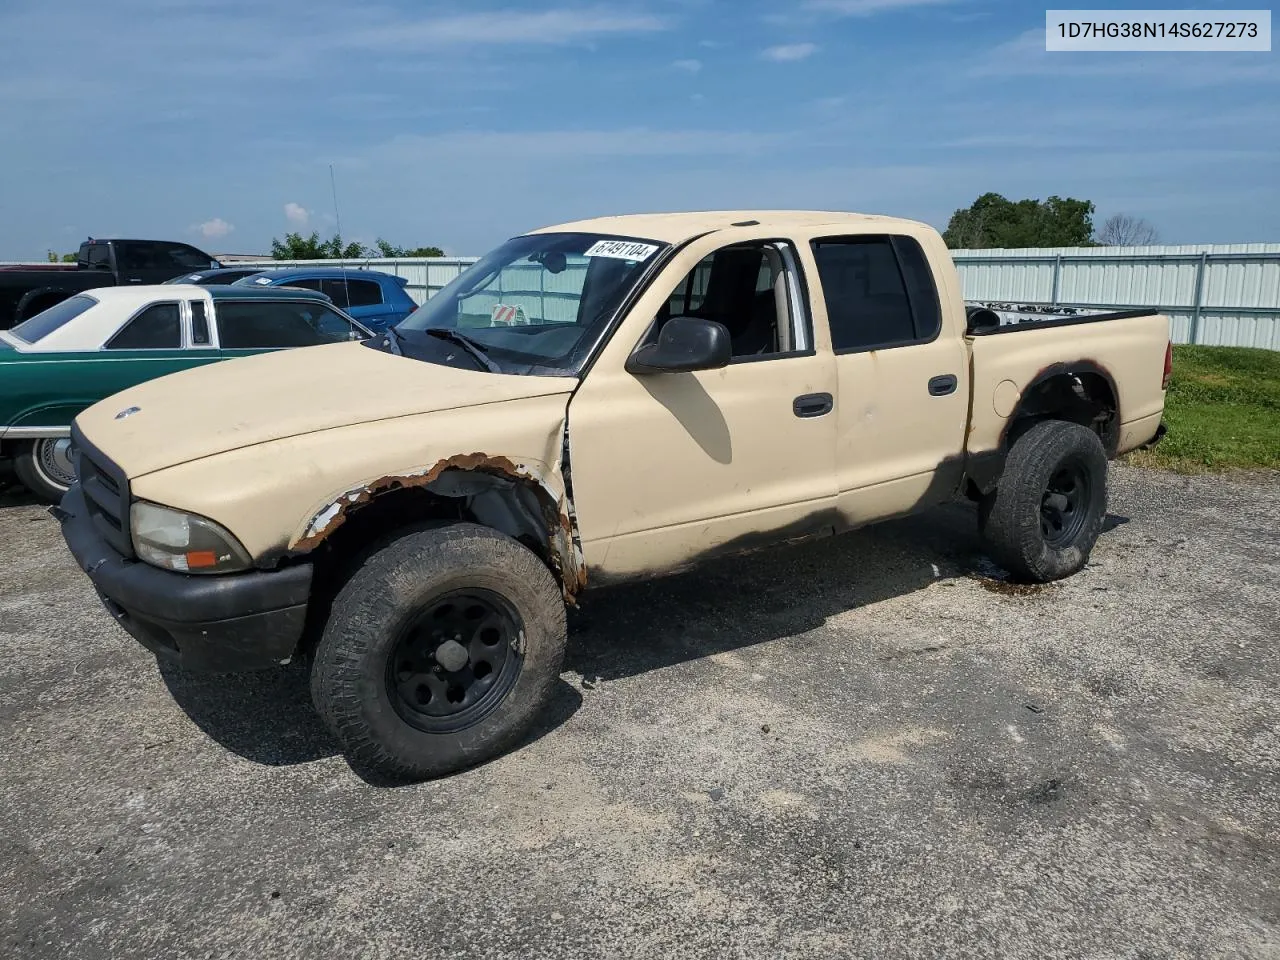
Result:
559,520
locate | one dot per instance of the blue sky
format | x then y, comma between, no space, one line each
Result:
460,124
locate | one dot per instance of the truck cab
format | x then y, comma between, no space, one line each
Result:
141,261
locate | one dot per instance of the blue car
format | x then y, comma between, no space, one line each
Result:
378,300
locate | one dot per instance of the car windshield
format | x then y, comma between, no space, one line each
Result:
537,304
46,321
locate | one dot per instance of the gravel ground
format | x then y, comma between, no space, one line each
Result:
863,747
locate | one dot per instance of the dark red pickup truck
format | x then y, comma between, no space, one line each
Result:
26,290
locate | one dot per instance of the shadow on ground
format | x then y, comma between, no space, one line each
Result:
738,602
12,493
623,631
267,717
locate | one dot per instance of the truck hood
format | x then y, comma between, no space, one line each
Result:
273,396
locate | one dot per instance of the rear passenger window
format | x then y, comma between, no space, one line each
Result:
879,292
199,324
158,327
353,293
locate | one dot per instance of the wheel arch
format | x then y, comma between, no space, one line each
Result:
517,500
1079,391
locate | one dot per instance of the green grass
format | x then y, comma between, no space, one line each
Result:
1223,411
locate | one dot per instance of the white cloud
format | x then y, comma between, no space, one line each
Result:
497,27
790,52
865,8
214,229
688,66
297,214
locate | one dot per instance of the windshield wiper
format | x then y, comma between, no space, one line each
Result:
462,340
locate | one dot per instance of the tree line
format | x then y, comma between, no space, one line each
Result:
295,246
995,222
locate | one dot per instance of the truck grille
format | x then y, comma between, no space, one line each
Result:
106,493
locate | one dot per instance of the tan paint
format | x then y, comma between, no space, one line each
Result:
1130,350
269,494
668,466
225,406
283,448
1005,400
893,433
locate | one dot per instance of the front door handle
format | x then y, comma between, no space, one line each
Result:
942,386
813,405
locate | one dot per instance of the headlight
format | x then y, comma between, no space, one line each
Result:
173,540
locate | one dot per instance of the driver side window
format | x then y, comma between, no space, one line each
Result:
750,288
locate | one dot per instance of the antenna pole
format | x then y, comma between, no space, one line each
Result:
337,218
333,187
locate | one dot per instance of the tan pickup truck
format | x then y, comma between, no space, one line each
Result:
589,403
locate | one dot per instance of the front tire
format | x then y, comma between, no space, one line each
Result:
44,467
439,652
1043,519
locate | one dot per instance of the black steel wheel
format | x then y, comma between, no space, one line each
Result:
440,651
455,661
1046,513
1065,506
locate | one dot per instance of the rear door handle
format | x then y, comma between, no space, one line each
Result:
944,385
813,405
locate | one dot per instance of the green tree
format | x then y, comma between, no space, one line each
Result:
65,258
390,250
295,246
994,221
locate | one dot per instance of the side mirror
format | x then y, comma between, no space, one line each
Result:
684,344
981,319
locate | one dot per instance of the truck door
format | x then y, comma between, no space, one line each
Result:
668,468
903,376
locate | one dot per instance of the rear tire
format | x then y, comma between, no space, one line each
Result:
439,652
44,467
1043,519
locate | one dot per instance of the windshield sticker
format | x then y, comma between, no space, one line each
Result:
265,281
508,316
622,250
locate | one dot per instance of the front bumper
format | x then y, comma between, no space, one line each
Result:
227,623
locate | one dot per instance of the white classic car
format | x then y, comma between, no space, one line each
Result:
101,341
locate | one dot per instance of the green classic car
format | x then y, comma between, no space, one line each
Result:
99,342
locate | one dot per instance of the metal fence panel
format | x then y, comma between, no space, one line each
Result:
1222,294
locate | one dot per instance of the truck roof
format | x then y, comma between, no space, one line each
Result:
679,227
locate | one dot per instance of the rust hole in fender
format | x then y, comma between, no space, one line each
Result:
564,549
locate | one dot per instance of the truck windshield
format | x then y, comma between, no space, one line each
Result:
46,321
537,305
